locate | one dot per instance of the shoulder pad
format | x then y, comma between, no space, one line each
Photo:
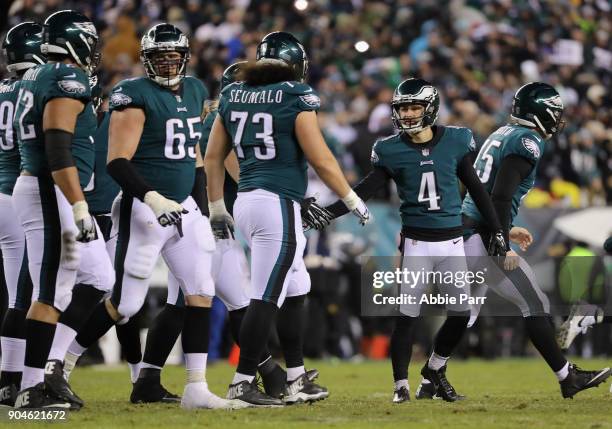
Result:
297,88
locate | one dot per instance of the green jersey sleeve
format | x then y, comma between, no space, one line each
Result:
306,99
69,82
525,146
126,94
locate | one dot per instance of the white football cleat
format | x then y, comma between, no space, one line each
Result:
578,322
197,395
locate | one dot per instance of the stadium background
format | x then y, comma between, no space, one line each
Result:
476,52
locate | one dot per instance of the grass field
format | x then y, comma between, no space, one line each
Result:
502,394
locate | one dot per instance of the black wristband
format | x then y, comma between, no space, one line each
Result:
57,149
199,191
128,178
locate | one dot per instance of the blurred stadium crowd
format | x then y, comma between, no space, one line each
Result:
477,52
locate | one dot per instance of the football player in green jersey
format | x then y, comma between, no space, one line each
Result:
22,49
506,166
426,162
230,267
154,132
54,126
269,118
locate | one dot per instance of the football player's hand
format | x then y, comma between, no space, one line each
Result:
357,207
521,236
84,222
166,211
221,222
313,215
497,244
511,261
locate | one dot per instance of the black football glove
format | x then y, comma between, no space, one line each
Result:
313,215
497,244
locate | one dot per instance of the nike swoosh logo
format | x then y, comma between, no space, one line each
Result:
308,90
70,76
118,89
456,241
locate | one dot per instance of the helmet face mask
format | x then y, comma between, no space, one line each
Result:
22,47
164,52
71,34
414,92
283,48
538,105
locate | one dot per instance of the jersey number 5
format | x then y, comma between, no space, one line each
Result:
486,156
264,151
428,191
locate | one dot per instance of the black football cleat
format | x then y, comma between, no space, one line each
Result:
57,386
8,394
401,395
148,389
302,389
249,394
38,397
578,380
426,391
274,382
444,390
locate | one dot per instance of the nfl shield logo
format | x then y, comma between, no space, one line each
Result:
425,152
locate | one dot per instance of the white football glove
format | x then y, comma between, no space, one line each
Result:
357,207
221,222
84,222
166,211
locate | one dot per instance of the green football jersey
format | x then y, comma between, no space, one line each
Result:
230,189
38,86
102,189
9,151
426,175
261,123
166,153
505,141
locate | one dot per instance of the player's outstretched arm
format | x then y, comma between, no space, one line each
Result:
323,161
217,151
59,120
124,133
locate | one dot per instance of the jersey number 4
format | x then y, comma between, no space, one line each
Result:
267,149
428,191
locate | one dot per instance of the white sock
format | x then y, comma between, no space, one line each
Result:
134,371
149,365
402,383
195,364
13,354
64,335
563,372
32,376
242,377
294,373
70,361
76,349
436,362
